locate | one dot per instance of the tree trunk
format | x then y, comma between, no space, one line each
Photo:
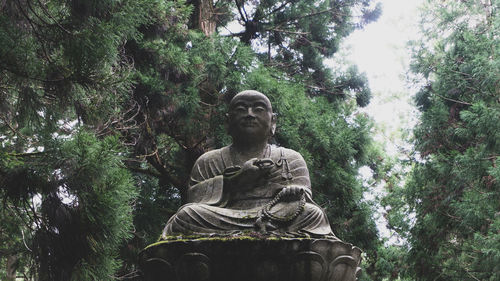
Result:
11,268
203,16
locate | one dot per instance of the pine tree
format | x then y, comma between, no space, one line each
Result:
106,103
452,195
66,198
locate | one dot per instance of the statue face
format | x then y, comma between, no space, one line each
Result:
250,116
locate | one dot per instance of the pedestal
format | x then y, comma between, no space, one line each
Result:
242,259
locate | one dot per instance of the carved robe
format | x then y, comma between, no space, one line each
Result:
213,209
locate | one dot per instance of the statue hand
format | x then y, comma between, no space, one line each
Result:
255,169
292,191
252,172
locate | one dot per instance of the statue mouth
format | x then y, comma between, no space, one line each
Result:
250,123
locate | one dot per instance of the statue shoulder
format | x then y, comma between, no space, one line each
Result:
211,155
293,157
290,154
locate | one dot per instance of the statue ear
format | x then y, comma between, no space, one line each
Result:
226,122
273,124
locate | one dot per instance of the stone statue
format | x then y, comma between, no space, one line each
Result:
250,185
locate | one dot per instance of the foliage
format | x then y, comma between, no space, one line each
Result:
297,35
13,250
63,69
452,195
105,106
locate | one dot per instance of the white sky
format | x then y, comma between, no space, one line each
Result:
380,51
379,48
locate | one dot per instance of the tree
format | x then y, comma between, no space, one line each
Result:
297,35
452,192
63,75
106,105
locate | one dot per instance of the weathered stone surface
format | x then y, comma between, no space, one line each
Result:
245,187
250,184
249,259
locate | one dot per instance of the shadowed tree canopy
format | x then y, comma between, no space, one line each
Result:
105,106
450,214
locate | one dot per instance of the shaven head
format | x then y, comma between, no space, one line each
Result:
250,117
249,93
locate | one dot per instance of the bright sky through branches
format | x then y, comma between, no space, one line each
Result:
380,50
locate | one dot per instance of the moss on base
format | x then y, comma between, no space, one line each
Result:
246,236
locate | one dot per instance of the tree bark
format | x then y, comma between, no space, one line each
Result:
203,16
11,268
206,17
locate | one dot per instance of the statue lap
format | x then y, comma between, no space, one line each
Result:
198,218
215,210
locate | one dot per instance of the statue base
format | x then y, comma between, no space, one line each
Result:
251,259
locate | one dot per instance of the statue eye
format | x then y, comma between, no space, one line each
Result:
259,109
240,108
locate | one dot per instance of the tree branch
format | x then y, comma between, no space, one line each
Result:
456,101
163,171
24,242
25,14
313,87
277,9
475,278
16,133
52,18
34,13
244,11
287,31
27,154
308,15
239,10
144,171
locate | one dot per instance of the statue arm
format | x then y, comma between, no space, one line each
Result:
300,173
206,184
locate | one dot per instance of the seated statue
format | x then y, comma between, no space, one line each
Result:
250,185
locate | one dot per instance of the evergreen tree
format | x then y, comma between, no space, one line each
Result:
105,103
66,198
296,36
452,196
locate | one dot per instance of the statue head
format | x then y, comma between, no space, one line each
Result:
250,117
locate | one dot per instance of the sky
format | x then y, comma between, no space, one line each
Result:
379,48
380,51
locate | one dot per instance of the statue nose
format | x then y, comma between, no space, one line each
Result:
250,112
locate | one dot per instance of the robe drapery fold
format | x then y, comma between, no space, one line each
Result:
213,209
